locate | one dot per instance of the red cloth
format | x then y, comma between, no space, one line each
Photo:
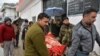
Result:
57,50
54,47
6,33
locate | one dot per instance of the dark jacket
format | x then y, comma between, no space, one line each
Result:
55,29
24,32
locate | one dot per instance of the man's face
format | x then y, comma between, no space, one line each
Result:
66,21
91,18
44,22
58,22
8,22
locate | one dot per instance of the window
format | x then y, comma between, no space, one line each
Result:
78,6
34,19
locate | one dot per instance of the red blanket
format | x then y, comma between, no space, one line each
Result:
54,47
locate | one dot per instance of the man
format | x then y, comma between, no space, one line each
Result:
55,27
65,32
84,35
24,30
7,37
16,30
35,40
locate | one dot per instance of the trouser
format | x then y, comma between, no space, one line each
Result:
23,44
8,48
81,53
17,40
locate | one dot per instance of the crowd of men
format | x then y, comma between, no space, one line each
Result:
78,38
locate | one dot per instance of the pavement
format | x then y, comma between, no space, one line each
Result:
17,51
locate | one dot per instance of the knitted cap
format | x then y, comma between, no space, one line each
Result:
7,19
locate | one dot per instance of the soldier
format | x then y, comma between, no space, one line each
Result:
65,32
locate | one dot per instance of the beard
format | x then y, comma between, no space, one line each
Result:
90,23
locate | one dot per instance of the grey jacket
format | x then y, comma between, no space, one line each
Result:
83,39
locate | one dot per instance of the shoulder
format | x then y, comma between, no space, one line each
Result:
62,26
34,29
77,28
2,26
94,26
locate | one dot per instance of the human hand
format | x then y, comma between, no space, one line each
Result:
1,45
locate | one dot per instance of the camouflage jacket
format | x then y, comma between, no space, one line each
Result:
65,34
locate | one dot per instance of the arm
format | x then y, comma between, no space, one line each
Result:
13,33
1,34
39,44
61,33
98,38
75,43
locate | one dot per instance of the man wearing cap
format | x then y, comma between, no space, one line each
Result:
7,37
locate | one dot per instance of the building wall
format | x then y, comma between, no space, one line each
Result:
32,10
77,18
10,13
1,15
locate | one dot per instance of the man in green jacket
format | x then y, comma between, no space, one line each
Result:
35,38
66,32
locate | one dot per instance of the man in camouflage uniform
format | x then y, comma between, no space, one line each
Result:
65,32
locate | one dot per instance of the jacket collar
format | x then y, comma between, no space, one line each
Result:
40,26
89,28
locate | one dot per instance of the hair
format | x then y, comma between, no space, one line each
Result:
42,15
30,22
64,18
88,11
26,20
7,19
14,22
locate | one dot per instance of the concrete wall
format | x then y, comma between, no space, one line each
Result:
1,15
77,18
32,10
10,13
